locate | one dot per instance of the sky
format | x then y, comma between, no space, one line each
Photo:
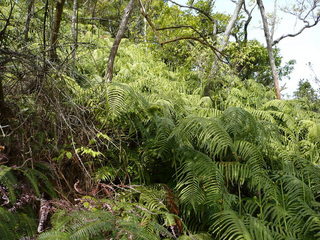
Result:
304,48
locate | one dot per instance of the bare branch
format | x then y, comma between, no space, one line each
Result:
246,25
194,8
216,51
231,24
308,25
2,32
274,19
43,214
309,17
181,26
146,16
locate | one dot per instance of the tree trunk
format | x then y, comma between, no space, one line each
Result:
3,62
226,36
275,74
122,28
44,35
55,30
28,19
2,103
74,30
144,30
4,108
227,32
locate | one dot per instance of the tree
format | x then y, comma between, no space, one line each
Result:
231,23
305,90
250,60
306,12
55,30
3,57
122,28
270,50
303,10
74,29
30,6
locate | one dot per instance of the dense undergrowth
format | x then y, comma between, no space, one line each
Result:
156,154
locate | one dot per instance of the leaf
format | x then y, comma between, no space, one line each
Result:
68,155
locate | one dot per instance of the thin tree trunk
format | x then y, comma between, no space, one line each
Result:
44,36
144,34
74,30
231,23
274,20
28,19
147,18
4,108
226,36
2,103
55,30
3,61
275,74
93,12
122,28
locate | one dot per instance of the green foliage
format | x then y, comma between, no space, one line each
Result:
251,61
168,150
308,95
134,214
16,225
35,178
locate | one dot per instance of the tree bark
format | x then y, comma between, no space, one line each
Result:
231,23
44,35
274,19
122,28
4,108
28,19
275,74
226,36
3,61
55,30
74,30
2,103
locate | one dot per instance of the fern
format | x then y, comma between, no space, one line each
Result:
16,225
229,226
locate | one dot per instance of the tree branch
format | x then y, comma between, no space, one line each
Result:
297,33
146,16
181,26
203,42
2,32
231,24
194,8
246,25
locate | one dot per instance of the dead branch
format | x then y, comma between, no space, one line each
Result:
308,25
45,207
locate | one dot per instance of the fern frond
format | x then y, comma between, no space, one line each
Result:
258,229
227,225
54,235
8,180
208,134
